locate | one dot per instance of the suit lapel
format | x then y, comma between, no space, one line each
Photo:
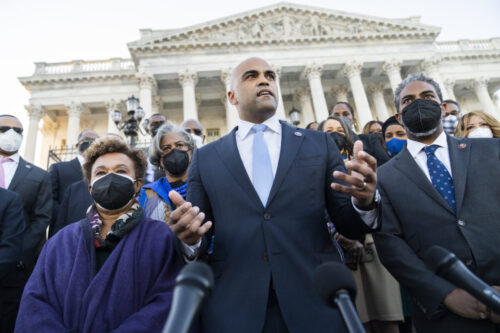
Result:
290,144
229,154
407,165
22,170
459,160
76,165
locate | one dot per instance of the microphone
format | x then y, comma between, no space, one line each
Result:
336,286
192,286
447,265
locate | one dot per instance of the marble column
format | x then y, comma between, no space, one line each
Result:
340,92
280,110
231,111
111,106
305,105
147,84
74,111
377,92
449,85
480,87
352,71
392,69
431,68
157,106
35,113
313,74
188,81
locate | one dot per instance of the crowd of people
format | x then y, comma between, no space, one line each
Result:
263,206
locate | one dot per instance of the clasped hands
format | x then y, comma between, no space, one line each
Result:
362,180
464,304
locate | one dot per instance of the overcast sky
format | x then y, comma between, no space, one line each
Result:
64,30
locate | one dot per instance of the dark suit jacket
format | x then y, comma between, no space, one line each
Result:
75,203
281,243
11,231
33,186
416,217
62,175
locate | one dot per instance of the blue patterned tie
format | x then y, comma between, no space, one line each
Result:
262,172
440,177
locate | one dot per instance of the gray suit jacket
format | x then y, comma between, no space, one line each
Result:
416,217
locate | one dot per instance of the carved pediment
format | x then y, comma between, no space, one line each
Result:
284,23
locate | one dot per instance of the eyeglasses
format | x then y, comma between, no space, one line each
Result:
195,131
4,129
178,145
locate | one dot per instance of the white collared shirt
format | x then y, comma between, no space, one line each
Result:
272,136
416,150
9,169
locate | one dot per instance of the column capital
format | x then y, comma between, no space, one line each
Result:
35,112
352,68
430,64
477,83
188,78
449,83
225,76
277,70
74,109
313,71
302,92
112,105
376,87
393,65
340,89
146,81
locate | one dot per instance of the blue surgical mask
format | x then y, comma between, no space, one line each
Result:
394,145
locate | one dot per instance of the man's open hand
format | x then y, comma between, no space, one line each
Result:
362,178
186,220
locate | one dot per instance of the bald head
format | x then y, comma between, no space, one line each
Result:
254,90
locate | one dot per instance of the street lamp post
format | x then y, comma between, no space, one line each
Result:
294,116
130,127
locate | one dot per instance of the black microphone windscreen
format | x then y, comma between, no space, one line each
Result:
439,259
330,277
198,274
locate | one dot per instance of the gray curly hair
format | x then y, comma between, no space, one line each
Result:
412,78
169,127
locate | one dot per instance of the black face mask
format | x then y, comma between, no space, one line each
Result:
422,117
113,191
154,128
84,145
176,162
339,139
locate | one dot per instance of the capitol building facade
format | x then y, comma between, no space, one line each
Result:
321,56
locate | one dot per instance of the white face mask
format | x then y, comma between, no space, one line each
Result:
10,141
198,141
481,132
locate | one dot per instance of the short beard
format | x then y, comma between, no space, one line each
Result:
424,134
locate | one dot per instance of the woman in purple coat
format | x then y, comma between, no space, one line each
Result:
113,271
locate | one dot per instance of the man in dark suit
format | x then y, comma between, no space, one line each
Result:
73,208
33,186
264,188
63,174
440,190
11,235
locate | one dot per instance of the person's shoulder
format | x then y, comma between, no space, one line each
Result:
35,170
152,230
8,196
487,143
67,235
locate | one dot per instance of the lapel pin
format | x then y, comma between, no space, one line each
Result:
462,146
28,166
297,133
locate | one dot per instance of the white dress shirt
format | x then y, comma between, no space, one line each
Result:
9,169
416,150
244,142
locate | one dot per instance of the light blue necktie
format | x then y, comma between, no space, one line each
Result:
262,172
440,177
